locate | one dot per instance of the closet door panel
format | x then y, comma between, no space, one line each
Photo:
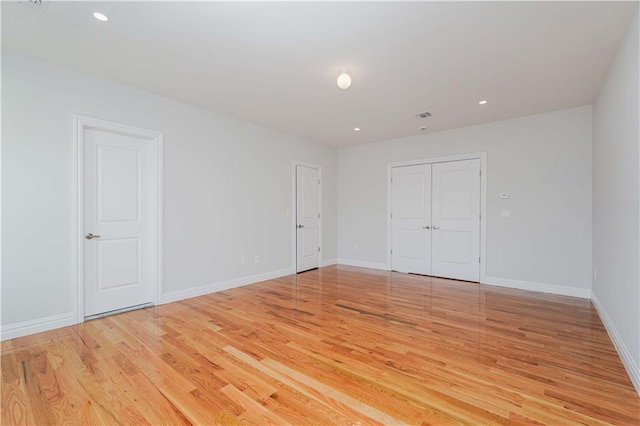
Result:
455,211
411,219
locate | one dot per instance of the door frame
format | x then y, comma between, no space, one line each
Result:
80,123
482,156
294,213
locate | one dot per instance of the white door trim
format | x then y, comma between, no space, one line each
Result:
482,156
294,209
80,123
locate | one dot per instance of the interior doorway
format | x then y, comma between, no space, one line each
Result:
119,202
307,216
435,219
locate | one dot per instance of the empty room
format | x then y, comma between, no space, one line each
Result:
320,213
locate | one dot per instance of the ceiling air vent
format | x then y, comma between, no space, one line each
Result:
425,114
37,3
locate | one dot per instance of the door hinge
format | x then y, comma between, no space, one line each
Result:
318,181
479,216
318,249
391,251
318,215
391,215
478,260
391,180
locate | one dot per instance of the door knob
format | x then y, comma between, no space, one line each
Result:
91,236
426,227
435,227
300,226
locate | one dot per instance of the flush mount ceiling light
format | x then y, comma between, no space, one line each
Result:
357,129
483,102
344,80
100,16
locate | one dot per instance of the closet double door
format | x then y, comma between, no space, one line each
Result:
435,219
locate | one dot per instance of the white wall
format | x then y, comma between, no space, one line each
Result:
227,187
616,202
543,161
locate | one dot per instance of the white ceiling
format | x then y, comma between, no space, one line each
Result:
276,64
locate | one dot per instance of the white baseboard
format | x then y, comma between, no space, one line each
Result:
174,296
583,293
328,262
363,264
627,360
25,328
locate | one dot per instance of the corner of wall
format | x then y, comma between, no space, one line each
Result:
328,262
627,360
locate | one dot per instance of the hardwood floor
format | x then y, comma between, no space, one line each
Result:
339,345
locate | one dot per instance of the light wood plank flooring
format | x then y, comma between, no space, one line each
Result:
339,345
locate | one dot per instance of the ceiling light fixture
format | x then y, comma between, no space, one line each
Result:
482,102
100,16
357,129
344,80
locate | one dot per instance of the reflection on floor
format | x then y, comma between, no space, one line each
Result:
334,345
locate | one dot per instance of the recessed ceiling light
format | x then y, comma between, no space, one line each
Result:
344,80
482,102
100,16
357,129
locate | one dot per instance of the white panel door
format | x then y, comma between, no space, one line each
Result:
117,249
456,220
307,218
411,219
